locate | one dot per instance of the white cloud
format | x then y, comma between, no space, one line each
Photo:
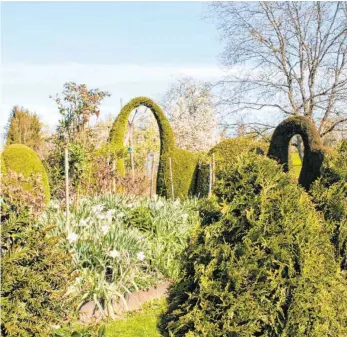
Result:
99,74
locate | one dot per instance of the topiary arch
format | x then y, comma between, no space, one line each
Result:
183,162
313,152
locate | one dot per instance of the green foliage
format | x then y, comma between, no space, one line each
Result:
260,264
116,253
24,128
140,323
225,154
313,152
79,330
36,273
76,108
167,141
329,193
183,165
21,159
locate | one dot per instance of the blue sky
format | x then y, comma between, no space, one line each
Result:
129,49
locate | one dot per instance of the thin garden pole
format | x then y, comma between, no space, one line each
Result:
210,180
113,175
67,192
213,171
171,179
152,177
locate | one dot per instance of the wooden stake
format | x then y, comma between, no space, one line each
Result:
171,179
152,178
67,192
113,177
210,180
213,170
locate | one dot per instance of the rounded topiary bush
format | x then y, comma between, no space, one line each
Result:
225,154
329,193
313,152
21,159
260,264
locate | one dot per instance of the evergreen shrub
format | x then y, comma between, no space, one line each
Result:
22,159
36,270
260,264
329,193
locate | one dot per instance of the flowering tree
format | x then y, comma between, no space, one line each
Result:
191,111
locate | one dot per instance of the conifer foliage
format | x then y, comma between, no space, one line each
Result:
260,264
36,270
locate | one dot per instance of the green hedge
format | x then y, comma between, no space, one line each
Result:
329,193
313,153
260,264
22,159
225,154
183,169
183,162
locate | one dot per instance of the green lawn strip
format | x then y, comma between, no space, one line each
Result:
296,163
139,323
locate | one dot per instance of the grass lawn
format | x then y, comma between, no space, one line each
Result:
296,163
140,323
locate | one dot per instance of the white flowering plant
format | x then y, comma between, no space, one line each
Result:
123,244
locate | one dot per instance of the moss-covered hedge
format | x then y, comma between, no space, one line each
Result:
183,162
260,264
22,159
225,154
313,153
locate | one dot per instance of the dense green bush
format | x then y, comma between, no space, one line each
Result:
36,270
225,154
21,159
183,169
329,193
314,151
260,264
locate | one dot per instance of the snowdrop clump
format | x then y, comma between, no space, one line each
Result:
111,254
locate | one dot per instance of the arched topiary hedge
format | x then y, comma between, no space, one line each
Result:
225,154
313,152
22,159
183,162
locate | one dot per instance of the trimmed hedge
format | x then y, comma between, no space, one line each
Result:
329,193
226,153
183,162
313,153
183,169
22,159
260,264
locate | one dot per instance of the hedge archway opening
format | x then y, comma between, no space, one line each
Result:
313,148
167,140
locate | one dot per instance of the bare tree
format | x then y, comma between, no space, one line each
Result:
190,106
285,58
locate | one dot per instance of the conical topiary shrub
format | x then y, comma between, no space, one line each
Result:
260,264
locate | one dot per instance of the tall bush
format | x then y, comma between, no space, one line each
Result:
260,264
329,194
36,270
